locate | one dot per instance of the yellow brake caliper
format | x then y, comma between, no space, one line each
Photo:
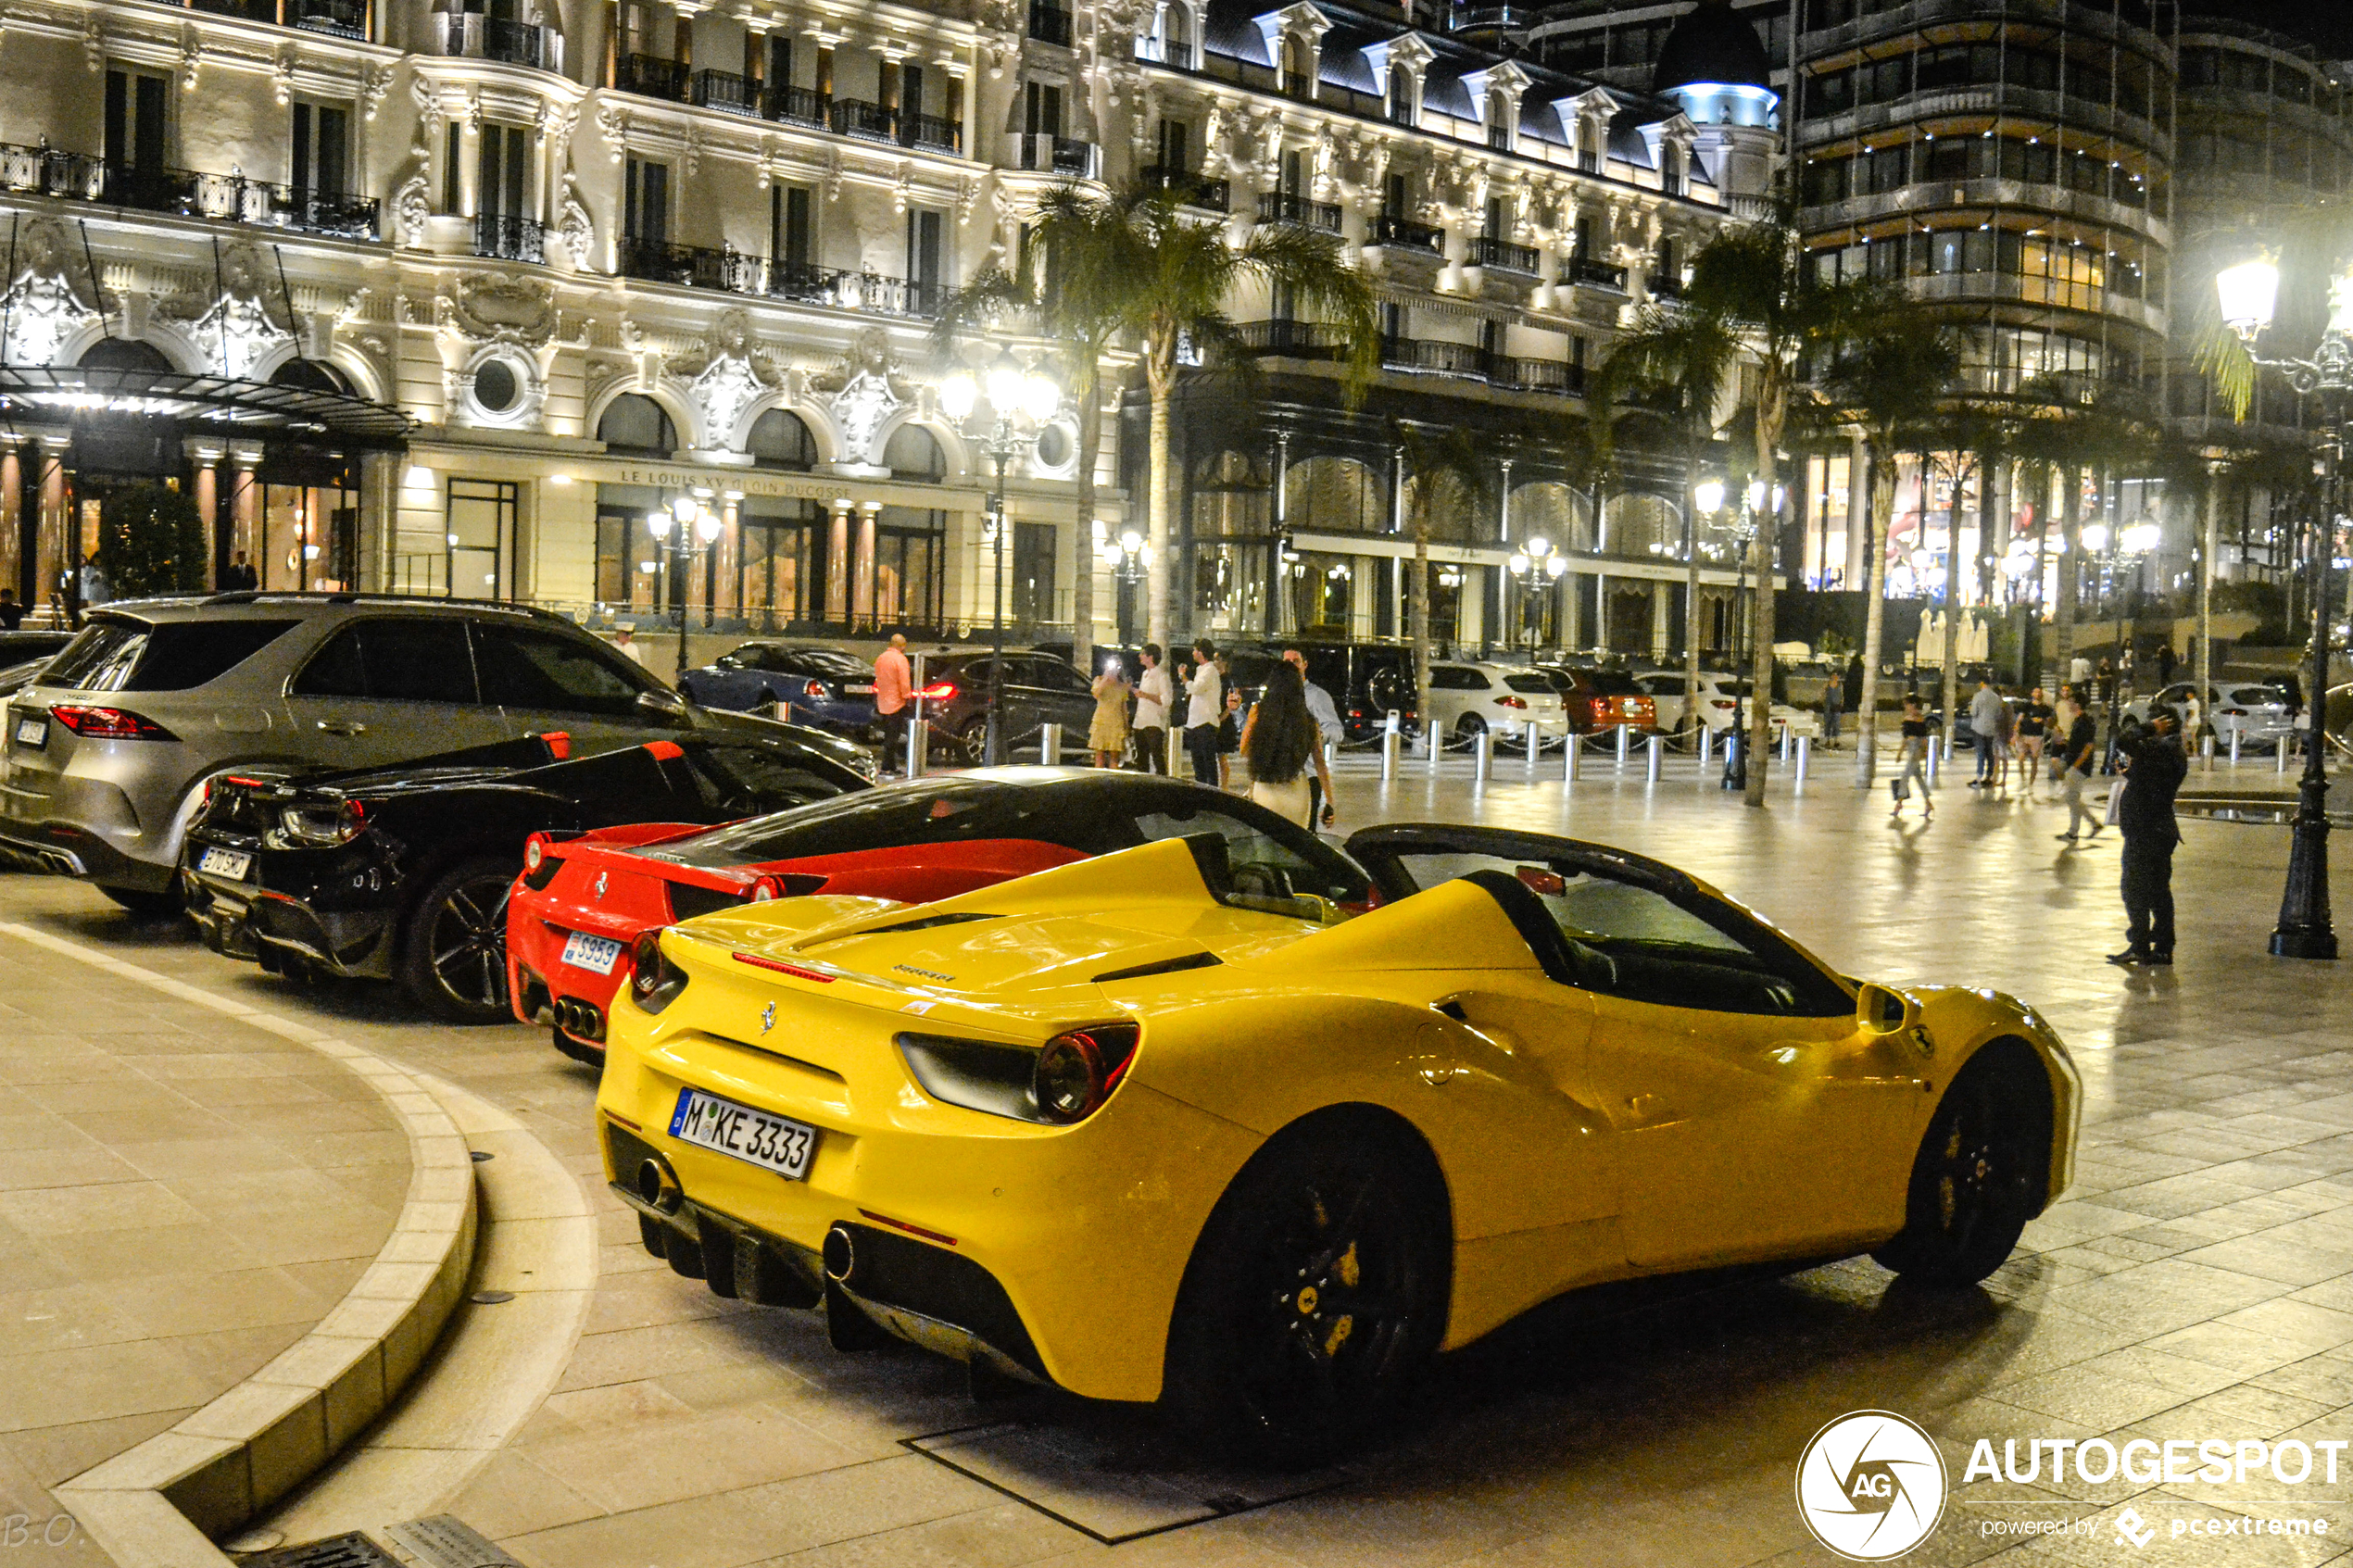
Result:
1348,1273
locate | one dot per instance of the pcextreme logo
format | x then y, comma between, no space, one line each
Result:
1870,1485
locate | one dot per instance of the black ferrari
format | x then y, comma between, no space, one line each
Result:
402,872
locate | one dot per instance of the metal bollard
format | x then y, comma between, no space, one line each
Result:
1572,748
1785,739
1175,751
1707,746
918,747
1804,756
2279,751
2235,746
1389,741
1482,755
1432,745
1656,753
1535,747
1050,745
1624,746
1933,747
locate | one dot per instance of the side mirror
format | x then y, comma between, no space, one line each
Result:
1883,1011
670,705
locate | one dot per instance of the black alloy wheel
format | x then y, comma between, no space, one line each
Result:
1979,1172
456,960
1466,729
1315,1297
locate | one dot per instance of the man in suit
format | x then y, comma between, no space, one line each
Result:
2155,766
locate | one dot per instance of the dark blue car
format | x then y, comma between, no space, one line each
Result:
819,685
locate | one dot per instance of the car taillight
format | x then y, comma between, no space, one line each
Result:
814,691
539,867
1720,704
534,850
317,825
938,690
108,723
654,981
761,891
1510,702
2235,713
1078,1070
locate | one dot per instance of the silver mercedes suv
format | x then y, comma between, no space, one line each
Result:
109,751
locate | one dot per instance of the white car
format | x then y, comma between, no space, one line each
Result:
1719,702
2257,714
1467,698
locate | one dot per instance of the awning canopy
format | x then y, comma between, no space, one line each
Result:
222,404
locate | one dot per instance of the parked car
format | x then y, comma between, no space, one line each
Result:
1467,698
944,1121
808,682
403,872
2257,714
1604,699
585,899
1368,682
1720,697
109,749
1039,690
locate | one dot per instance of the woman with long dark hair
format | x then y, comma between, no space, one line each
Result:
1280,743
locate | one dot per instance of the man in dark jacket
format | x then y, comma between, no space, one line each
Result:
2156,767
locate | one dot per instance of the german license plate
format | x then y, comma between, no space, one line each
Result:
225,863
753,1136
33,732
596,953
857,691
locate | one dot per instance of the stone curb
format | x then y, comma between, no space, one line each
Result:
163,1504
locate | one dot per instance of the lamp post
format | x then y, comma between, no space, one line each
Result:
2249,293
1129,557
696,528
1015,397
1534,569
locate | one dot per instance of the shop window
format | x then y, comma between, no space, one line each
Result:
910,566
1032,572
780,560
480,538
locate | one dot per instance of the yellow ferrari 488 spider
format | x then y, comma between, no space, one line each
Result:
1122,1128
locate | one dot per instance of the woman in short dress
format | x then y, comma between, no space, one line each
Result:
1107,733
1279,743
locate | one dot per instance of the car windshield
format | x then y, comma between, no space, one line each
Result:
123,655
2253,696
1091,817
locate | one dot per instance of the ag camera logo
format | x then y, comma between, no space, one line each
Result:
1870,1485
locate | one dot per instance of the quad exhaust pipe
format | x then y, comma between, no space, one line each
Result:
578,1019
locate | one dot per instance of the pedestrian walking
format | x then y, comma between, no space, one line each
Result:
1985,724
1107,733
1911,758
1152,696
1204,705
2004,743
2076,757
1282,747
2154,766
894,685
1834,707
1326,712
2033,726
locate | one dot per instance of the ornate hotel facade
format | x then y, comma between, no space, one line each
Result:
451,300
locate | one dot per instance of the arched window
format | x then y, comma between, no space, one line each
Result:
1176,38
1400,96
637,424
311,375
122,353
1642,525
779,440
913,452
1334,496
1550,510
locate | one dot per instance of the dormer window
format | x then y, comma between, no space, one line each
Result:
1170,41
1401,96
1299,67
1501,112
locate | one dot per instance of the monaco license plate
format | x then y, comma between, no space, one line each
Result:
225,863
33,732
754,1137
857,691
596,953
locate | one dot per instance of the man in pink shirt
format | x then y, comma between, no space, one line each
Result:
894,685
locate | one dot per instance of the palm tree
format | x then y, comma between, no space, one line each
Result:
1449,472
1067,279
1173,296
1886,381
1676,362
1759,282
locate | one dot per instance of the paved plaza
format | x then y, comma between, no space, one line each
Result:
185,1189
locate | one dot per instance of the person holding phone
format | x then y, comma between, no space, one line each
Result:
1107,735
1154,694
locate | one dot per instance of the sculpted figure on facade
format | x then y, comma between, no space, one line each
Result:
734,372
44,304
867,390
243,323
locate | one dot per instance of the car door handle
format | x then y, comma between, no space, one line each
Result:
342,726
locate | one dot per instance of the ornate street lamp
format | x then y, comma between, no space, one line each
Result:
698,529
1129,557
1537,568
2250,293
1015,399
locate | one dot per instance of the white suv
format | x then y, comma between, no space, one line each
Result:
1467,697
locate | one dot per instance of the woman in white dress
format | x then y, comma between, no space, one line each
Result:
1279,743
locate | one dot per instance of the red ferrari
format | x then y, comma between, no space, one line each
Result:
583,900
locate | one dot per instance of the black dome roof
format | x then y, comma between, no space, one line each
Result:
1712,43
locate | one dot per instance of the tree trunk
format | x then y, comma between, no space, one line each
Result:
2206,546
1082,588
1417,611
1690,715
1162,382
1772,404
1948,672
2070,570
1874,613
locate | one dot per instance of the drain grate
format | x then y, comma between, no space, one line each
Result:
353,1550
1107,1489
447,1541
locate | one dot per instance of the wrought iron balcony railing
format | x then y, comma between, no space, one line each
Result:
1502,254
1283,207
508,238
1404,234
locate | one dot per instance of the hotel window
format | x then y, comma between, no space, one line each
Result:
646,203
925,246
321,137
791,232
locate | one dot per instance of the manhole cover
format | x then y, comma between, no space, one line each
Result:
447,1541
353,1550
